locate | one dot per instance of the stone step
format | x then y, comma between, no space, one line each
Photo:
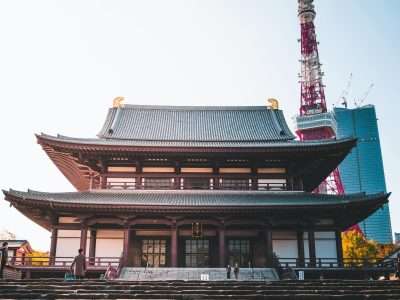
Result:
215,288
97,289
198,296
213,274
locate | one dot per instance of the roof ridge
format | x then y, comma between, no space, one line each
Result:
193,107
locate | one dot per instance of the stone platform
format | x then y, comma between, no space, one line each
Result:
202,274
191,290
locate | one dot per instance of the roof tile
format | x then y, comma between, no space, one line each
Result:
196,124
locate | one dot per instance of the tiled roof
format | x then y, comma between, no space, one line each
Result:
14,243
196,124
224,144
190,198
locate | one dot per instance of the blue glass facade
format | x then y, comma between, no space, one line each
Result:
362,170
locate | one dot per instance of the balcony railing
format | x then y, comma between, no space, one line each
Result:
104,262
197,184
335,263
60,261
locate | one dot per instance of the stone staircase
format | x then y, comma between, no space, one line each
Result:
185,290
205,274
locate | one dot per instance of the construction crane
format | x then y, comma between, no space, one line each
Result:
343,99
359,102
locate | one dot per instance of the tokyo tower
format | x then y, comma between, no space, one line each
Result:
314,121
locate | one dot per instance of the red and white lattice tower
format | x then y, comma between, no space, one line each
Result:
314,121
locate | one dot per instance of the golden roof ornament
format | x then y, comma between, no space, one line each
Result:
273,103
118,102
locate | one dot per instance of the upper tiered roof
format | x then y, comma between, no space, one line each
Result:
257,133
240,124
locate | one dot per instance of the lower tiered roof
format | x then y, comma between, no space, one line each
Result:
345,210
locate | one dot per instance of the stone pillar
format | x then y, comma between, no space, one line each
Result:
268,248
221,248
92,247
300,248
174,246
339,247
311,247
53,245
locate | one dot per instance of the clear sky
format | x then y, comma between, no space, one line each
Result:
62,63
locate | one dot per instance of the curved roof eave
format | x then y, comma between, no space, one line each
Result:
104,144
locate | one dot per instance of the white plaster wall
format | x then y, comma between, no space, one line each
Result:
109,243
325,244
284,244
68,242
306,249
325,247
285,248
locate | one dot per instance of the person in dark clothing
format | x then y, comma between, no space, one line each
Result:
398,266
228,271
78,266
4,258
236,271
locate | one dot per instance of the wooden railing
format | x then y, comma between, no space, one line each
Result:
198,184
335,263
61,261
104,262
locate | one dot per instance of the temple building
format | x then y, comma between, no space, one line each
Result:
165,186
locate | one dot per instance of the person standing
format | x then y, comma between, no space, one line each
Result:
398,266
4,258
228,271
78,266
236,271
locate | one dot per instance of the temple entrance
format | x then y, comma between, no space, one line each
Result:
154,253
239,252
197,253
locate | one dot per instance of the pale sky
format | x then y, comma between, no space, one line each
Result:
62,63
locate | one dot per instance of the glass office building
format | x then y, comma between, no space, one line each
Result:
362,170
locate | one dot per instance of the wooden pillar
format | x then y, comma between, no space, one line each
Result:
103,181
290,184
53,245
268,248
174,246
300,248
125,252
92,247
215,177
222,248
82,244
339,247
311,247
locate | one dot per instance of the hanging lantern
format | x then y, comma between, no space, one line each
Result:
197,230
